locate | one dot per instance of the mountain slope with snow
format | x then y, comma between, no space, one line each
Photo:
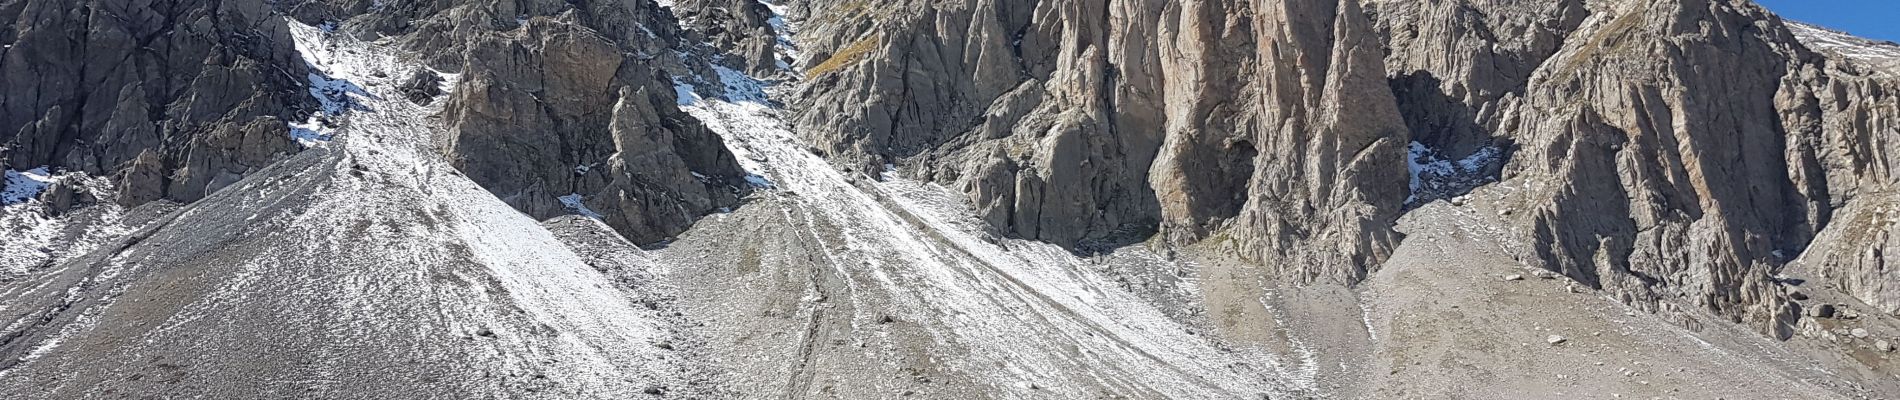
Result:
977,199
365,268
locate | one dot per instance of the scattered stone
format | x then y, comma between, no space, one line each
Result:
1883,345
1555,340
61,197
1513,277
655,390
1545,274
1822,311
664,345
422,87
1460,200
1797,295
1859,333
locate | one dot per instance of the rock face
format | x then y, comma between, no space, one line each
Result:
177,98
1860,120
1669,149
743,28
1641,130
558,99
1675,153
1452,64
1090,123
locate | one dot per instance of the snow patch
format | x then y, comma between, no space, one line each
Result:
33,239
999,297
686,93
1845,45
576,206
25,185
335,95
787,48
1433,175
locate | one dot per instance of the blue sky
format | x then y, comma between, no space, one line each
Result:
1877,19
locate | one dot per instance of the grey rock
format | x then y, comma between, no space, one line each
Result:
422,87
181,80
1056,137
742,28
62,196
562,98
1822,311
1638,205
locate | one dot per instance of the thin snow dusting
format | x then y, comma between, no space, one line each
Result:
575,205
1845,45
34,239
1011,302
401,262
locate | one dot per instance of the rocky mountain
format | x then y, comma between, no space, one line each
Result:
175,99
944,199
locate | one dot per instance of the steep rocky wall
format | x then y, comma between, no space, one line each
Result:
1650,114
564,98
1097,123
178,99
1456,65
743,28
1670,151
1860,105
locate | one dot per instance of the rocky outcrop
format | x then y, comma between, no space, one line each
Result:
1455,66
744,29
1673,153
1094,123
566,100
1643,131
1010,100
177,98
1313,168
1860,119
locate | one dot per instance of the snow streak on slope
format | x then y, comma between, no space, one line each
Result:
598,339
1434,177
1847,46
1029,318
31,238
404,280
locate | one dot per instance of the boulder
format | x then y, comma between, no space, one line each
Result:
62,196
